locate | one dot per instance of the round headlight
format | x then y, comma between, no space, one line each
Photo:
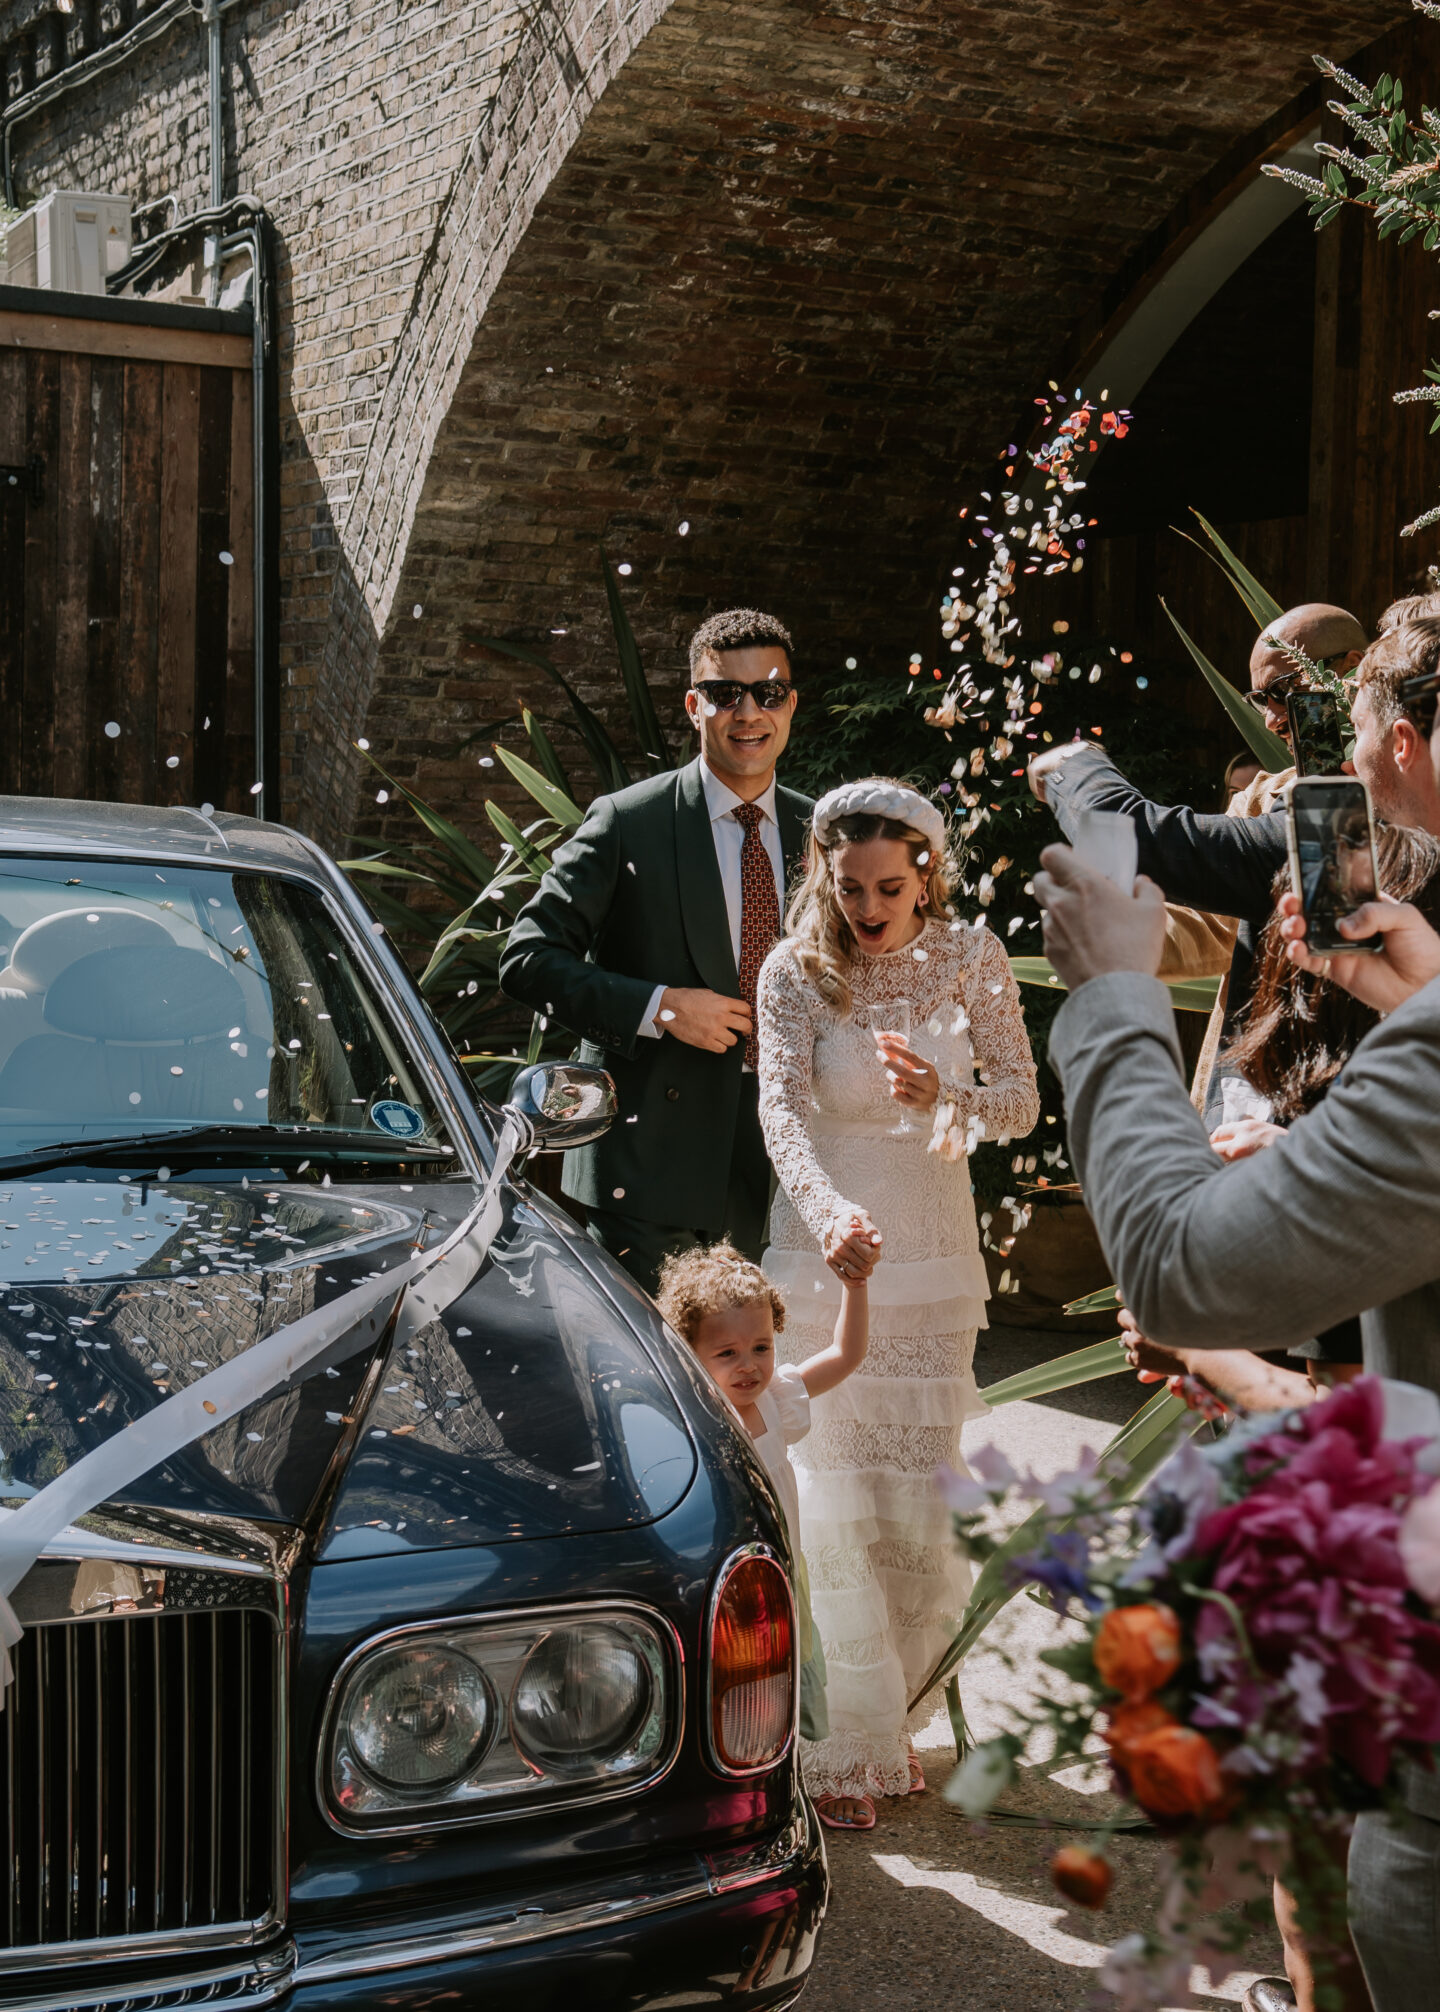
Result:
420,1717
582,1697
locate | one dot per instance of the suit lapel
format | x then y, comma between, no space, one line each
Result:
702,893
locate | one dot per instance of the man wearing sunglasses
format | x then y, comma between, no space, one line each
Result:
1220,865
646,937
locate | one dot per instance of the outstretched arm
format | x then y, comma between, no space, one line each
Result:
852,1338
1279,1246
1224,865
787,1055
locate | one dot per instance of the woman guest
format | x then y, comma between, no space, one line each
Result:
874,1012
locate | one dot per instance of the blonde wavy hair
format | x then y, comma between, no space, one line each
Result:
814,922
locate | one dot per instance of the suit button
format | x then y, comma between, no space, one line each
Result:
673,1095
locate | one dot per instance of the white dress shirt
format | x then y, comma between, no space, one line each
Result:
721,802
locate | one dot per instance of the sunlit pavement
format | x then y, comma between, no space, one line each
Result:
928,1912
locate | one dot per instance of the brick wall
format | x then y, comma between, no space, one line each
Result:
788,274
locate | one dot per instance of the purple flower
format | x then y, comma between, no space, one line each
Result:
1062,1566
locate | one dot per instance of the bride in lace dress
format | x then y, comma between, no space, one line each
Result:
872,926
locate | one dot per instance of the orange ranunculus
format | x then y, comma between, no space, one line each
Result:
1137,1649
1082,1876
1129,1723
1174,1771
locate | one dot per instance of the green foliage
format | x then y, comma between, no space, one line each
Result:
450,904
1396,178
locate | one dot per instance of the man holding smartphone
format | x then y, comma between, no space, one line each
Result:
1343,1218
1219,864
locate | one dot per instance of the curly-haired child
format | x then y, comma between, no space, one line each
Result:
729,1312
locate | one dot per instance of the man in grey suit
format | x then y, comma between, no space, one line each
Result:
646,937
1342,1217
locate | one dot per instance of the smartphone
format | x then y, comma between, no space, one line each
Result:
1317,733
1332,857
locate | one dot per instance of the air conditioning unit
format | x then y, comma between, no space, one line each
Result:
70,242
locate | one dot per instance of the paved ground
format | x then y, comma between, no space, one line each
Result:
930,1913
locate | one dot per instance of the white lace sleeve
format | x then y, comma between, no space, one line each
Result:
1006,1104
786,1007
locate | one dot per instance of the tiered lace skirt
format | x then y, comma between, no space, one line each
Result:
887,1584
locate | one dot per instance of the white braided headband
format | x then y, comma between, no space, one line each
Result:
879,799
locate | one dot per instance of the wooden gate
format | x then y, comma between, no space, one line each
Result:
127,562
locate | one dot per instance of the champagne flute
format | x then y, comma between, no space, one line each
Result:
892,1016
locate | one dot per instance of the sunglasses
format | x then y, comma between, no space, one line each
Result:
724,694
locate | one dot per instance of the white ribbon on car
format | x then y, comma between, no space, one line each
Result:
430,1282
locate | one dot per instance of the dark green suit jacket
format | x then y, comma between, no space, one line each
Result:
634,900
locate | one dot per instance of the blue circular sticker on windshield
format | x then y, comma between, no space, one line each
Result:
400,1121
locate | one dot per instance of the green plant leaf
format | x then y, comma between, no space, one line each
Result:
1142,1445
1103,1301
543,748
1267,748
648,730
525,850
1262,605
1189,995
610,770
1105,1358
554,802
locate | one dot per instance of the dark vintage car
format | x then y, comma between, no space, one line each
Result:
458,1669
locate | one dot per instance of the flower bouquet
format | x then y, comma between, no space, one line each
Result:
1261,1659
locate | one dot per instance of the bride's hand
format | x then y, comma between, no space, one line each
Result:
914,1082
852,1244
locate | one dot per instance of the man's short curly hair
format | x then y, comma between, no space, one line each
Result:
702,1281
737,629
1397,655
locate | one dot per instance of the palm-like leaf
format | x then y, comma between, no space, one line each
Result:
1139,1447
1266,747
648,730
1262,605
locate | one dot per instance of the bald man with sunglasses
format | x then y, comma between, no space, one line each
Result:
646,938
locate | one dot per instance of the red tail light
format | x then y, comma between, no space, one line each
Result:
752,1664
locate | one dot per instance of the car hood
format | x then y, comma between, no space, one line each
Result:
529,1408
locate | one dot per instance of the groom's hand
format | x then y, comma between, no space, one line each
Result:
703,1019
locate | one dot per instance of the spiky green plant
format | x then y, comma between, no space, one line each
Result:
450,903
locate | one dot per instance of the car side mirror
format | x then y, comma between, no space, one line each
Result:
562,1104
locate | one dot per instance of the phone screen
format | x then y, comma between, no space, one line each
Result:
1317,733
1332,859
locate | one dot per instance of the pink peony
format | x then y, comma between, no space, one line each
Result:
1312,1560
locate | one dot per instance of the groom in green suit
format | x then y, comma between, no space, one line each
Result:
646,937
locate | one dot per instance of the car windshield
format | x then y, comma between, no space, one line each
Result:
140,997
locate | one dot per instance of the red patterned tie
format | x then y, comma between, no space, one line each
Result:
759,914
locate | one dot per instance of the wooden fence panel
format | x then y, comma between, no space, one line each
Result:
127,629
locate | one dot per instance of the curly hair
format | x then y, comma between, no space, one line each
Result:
702,1281
824,941
738,629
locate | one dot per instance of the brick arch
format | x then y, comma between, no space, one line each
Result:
568,53
793,285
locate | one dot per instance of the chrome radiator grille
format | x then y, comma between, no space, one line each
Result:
140,1780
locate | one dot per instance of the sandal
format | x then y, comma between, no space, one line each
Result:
865,1821
917,1775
